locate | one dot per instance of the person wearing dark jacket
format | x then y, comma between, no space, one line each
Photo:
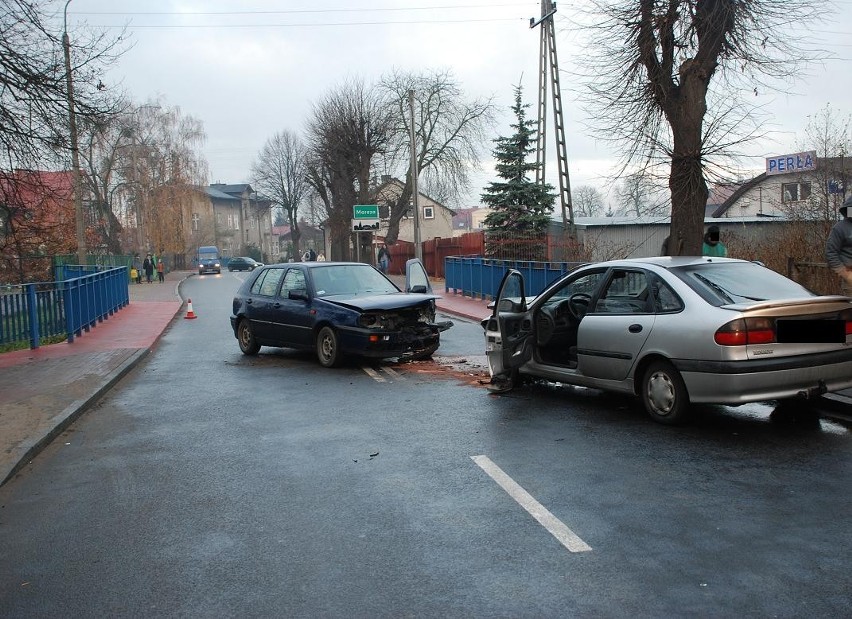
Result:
838,248
148,267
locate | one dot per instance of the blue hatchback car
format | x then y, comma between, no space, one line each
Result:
338,309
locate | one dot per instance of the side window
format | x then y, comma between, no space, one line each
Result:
587,284
267,283
294,280
627,292
665,298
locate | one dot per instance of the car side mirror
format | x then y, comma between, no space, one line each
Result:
301,293
420,289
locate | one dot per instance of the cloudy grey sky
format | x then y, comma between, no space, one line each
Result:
250,68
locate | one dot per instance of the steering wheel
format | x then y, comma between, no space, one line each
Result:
578,305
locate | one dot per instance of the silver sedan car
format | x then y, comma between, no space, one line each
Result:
673,331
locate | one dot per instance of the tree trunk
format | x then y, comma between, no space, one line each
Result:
686,179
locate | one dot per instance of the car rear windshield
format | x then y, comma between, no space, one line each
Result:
722,283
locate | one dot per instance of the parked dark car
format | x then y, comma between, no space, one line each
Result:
243,263
338,309
674,331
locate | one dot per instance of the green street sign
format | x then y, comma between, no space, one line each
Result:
365,211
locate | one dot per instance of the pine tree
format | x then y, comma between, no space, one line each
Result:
518,204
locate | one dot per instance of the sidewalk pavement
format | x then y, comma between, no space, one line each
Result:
46,389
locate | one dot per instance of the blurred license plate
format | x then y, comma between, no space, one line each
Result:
811,331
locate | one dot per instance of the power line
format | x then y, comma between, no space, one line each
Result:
298,11
319,24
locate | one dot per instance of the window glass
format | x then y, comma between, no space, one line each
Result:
665,299
293,280
795,192
267,283
587,284
739,282
626,293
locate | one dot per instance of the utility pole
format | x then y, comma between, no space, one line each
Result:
75,152
418,249
548,64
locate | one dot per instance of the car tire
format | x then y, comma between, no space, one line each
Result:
245,336
664,393
328,348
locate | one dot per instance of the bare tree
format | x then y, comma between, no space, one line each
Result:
280,173
827,132
667,77
103,151
587,201
450,133
33,95
163,167
349,127
638,196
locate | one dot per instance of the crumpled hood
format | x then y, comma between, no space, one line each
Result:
399,300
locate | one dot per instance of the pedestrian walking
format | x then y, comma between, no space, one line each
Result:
384,258
838,248
161,270
712,245
148,267
321,257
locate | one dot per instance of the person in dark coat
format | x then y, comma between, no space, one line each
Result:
148,267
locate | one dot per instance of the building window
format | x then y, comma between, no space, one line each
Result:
196,222
428,212
795,192
219,218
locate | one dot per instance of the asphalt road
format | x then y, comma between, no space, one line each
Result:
209,484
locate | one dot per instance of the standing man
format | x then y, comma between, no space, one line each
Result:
838,248
384,258
712,245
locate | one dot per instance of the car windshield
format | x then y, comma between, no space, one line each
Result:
350,279
722,283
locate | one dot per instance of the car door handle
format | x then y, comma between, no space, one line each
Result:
248,301
635,328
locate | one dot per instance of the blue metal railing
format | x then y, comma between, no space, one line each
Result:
481,277
32,312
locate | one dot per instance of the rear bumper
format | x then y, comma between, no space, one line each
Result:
771,379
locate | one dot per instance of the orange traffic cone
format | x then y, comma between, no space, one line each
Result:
189,312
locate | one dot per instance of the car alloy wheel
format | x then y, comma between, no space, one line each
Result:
328,351
664,393
245,335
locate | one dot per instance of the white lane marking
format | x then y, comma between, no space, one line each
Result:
374,375
393,373
556,527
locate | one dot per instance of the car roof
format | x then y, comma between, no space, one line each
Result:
666,261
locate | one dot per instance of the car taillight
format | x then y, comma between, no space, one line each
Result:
745,331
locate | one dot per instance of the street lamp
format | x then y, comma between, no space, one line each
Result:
75,154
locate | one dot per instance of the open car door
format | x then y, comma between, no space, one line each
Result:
509,329
416,278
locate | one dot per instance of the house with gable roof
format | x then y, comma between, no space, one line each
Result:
436,219
240,218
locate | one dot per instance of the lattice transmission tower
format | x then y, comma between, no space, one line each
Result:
548,74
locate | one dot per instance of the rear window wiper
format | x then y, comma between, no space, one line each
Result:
726,294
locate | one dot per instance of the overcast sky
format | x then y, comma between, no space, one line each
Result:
250,68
